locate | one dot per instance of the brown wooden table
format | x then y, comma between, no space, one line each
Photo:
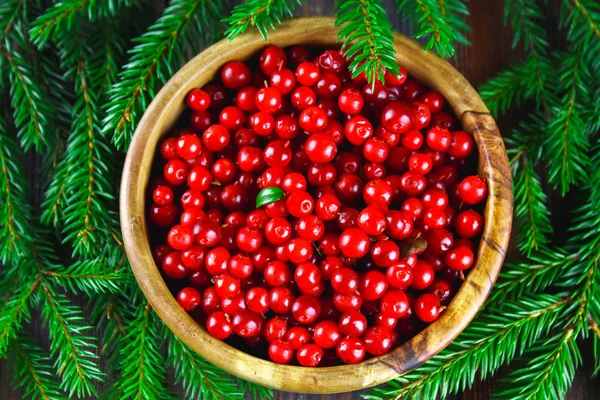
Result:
489,53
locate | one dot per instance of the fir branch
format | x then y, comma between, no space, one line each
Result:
16,311
33,113
153,60
76,361
32,371
142,369
596,347
87,191
566,140
532,217
538,272
581,19
513,86
90,276
200,378
262,14
14,207
549,371
10,12
62,16
526,19
256,391
493,339
366,36
439,28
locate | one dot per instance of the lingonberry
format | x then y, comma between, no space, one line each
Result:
163,196
378,191
262,123
442,289
462,145
306,309
345,303
372,221
376,150
421,115
281,299
420,163
320,148
272,59
373,285
235,75
247,324
439,139
349,187
354,243
412,140
175,172
224,171
245,99
310,227
397,117
468,224
459,258
293,182
378,340
278,153
312,119
472,190
276,328
248,240
277,273
433,100
257,299
268,99
307,73
211,302
309,355
423,275
219,325
400,276
327,334
216,138
357,130
327,207
427,307
303,97
394,303
300,204
299,250
284,81
180,237
198,99
189,298
163,216
350,101
384,253
351,350
298,336
353,324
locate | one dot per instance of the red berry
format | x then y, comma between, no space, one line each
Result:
307,73
459,258
400,276
433,100
281,352
353,324
344,281
268,99
281,299
310,227
320,148
439,139
378,191
378,340
327,207
350,101
275,328
278,153
219,325
277,273
354,243
163,196
175,172
283,80
299,250
395,304
257,299
351,350
303,97
462,145
397,117
306,309
357,130
180,237
385,253
423,275
272,59
298,336
198,99
216,138
207,232
427,307
235,75
248,324
327,334
278,231
199,179
189,299
472,190
309,355
468,224
248,240
300,204
312,119
173,267
373,285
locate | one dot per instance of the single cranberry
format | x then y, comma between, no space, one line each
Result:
308,73
200,120
309,355
235,75
276,328
310,227
247,324
248,240
385,253
395,304
281,299
321,174
250,159
354,243
345,303
468,224
427,307
306,309
303,97
462,145
219,325
423,275
472,189
433,100
272,59
439,139
180,237
320,148
312,119
163,196
327,207
399,276
163,216
298,336
211,302
217,260
189,299
378,340
198,99
413,183
357,130
396,117
373,285
293,182
378,191
349,187
262,123
327,334
442,289
227,286
299,250
459,258
351,350
257,299
372,221
283,80
175,172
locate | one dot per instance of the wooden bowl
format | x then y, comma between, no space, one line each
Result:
493,166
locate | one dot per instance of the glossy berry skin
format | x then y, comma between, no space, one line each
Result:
175,172
351,350
219,325
307,74
399,276
354,243
423,275
345,281
189,299
372,221
281,299
309,355
163,196
468,224
376,150
268,99
357,130
227,286
278,231
350,101
313,119
378,340
284,81
300,204
257,299
385,253
427,307
459,258
235,75
472,190
248,240
247,324
307,276
353,324
439,139
180,237
373,285
397,117
327,334
327,207
310,227
272,59
395,304
320,148
216,138
299,250
462,145
198,99
378,191
199,179
306,309
188,146
442,289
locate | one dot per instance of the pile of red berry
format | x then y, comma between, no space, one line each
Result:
367,209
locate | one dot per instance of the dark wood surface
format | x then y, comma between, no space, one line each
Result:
490,52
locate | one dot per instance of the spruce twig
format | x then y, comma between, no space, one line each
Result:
261,14
366,36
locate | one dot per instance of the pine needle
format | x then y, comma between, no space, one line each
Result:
366,36
157,55
32,370
261,14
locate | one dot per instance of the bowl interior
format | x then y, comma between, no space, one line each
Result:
163,113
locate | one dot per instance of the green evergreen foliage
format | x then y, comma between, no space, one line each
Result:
78,74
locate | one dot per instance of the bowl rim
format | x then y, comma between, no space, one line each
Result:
492,165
